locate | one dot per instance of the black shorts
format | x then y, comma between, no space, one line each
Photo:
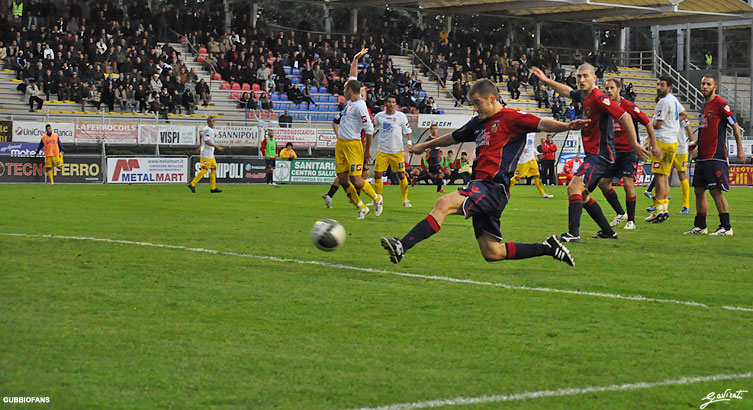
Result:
711,174
270,163
625,166
434,169
592,169
484,201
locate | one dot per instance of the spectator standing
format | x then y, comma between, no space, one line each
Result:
549,150
285,120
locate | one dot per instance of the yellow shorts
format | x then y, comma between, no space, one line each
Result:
664,167
681,162
56,161
349,157
396,161
208,163
528,169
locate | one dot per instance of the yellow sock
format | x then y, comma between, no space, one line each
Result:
537,182
353,195
52,180
369,190
198,177
404,188
685,186
378,185
664,204
213,179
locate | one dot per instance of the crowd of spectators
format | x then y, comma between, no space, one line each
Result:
96,54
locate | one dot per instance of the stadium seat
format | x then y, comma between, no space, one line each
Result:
283,97
246,87
322,89
202,50
320,117
275,97
272,115
235,86
422,94
332,108
256,87
295,80
296,71
275,106
217,76
225,86
341,99
286,69
263,115
201,58
332,99
235,95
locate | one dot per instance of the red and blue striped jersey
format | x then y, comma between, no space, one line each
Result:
598,136
712,140
621,140
500,140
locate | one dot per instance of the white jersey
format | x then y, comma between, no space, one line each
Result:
529,151
391,129
207,134
355,118
682,142
668,111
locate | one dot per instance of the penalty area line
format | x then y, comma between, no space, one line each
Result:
638,298
460,401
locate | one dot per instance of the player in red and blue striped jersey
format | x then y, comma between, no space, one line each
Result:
711,167
598,142
500,136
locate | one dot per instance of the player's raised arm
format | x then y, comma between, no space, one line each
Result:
354,63
562,89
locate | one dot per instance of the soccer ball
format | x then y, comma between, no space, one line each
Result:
328,234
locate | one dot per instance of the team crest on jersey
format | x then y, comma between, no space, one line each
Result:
726,108
588,112
354,167
495,126
709,114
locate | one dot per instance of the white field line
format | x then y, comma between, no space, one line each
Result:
459,401
382,271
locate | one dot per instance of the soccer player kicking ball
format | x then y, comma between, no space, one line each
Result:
598,142
53,151
711,168
206,157
500,134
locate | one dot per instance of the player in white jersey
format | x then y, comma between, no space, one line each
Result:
350,153
667,118
391,126
681,163
528,166
206,158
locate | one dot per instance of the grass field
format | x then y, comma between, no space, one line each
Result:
93,324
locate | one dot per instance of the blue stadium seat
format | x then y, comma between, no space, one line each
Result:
296,71
322,89
286,69
283,97
332,99
332,107
422,94
331,117
274,97
276,106
441,110
295,80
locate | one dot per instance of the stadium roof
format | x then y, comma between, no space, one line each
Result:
612,12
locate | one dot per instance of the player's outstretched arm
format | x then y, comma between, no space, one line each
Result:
354,63
562,89
443,141
548,125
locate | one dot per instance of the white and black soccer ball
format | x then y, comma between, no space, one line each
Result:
328,234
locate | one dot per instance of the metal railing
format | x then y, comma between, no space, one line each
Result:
682,85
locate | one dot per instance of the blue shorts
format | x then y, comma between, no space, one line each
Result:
711,174
625,166
484,201
592,169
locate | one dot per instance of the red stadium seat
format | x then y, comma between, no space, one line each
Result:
235,95
341,99
201,58
256,87
225,86
263,115
235,86
217,76
272,115
246,87
202,50
183,40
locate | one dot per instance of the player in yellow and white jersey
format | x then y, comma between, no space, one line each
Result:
391,126
528,166
206,157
